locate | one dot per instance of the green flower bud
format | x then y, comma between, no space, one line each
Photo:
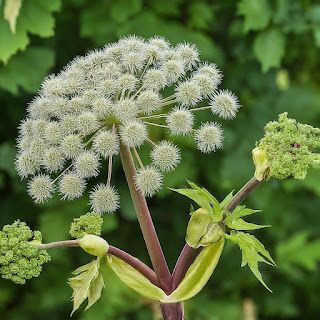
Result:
261,163
202,230
291,148
90,223
20,259
94,245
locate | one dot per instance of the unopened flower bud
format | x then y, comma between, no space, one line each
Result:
94,245
261,163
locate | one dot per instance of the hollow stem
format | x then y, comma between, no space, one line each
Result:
188,254
146,224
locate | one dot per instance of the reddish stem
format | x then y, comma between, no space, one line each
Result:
146,224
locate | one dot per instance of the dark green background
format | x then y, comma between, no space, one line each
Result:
269,52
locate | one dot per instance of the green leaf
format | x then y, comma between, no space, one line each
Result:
198,273
298,251
240,224
35,17
87,284
257,14
20,72
135,280
253,252
226,200
241,211
269,48
11,12
197,196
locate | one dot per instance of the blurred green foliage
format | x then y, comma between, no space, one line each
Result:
269,52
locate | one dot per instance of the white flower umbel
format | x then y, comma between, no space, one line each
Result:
71,186
40,188
224,104
180,121
148,181
165,156
104,198
209,137
133,133
118,95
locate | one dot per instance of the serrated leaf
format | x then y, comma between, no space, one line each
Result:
11,12
198,273
135,280
257,14
87,284
35,17
253,252
241,211
19,72
269,48
197,196
240,224
95,290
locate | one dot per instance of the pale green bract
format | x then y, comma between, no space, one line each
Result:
87,284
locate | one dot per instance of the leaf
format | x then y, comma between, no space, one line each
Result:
95,290
87,284
241,211
198,273
298,251
197,196
135,280
269,48
257,14
253,252
20,72
240,224
11,12
226,200
35,17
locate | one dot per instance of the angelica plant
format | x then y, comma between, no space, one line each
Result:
102,106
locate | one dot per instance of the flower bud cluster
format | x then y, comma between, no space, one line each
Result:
20,259
90,223
113,96
291,148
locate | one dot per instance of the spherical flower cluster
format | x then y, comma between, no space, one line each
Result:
291,148
110,97
90,223
20,259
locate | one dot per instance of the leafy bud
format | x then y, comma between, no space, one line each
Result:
261,163
94,245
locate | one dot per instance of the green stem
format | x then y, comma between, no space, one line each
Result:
146,224
188,254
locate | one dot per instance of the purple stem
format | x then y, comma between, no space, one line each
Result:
146,224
